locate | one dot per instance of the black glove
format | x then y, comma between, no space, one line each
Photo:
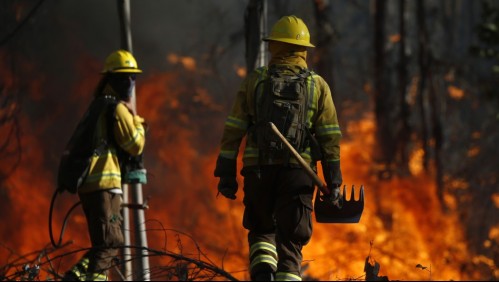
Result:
227,186
226,170
332,174
225,167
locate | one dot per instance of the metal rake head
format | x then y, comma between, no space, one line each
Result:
349,211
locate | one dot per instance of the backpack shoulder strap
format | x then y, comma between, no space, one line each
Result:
102,105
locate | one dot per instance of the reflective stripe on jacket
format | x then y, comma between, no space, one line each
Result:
321,119
129,134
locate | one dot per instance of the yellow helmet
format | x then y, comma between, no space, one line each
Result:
292,30
121,61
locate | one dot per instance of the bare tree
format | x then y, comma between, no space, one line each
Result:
404,129
326,38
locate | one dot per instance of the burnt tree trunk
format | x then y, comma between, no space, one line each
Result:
430,105
254,27
424,66
384,148
437,136
404,130
384,153
323,53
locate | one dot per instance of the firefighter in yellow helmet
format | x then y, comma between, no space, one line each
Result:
118,136
277,191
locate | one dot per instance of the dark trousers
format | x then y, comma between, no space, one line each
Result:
102,211
278,207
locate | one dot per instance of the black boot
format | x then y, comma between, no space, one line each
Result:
70,276
263,276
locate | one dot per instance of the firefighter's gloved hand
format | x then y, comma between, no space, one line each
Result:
332,174
227,186
225,167
226,170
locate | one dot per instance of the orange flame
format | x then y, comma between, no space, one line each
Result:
402,216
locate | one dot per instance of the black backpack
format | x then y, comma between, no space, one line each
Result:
75,161
284,102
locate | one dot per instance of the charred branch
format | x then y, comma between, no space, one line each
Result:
171,265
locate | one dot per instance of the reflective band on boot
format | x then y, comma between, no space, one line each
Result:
263,252
263,259
96,277
284,276
263,246
80,269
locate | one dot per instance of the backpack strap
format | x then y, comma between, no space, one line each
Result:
309,94
104,105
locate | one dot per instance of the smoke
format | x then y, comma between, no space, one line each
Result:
54,62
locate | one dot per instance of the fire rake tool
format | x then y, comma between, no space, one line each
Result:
326,210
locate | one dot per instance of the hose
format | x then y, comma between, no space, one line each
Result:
64,222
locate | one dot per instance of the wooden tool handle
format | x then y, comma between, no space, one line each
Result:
322,186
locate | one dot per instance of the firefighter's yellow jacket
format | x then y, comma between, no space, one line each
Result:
128,133
322,117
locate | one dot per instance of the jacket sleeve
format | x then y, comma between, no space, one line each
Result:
235,129
327,128
129,131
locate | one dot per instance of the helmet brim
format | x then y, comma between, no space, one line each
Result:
122,71
290,41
